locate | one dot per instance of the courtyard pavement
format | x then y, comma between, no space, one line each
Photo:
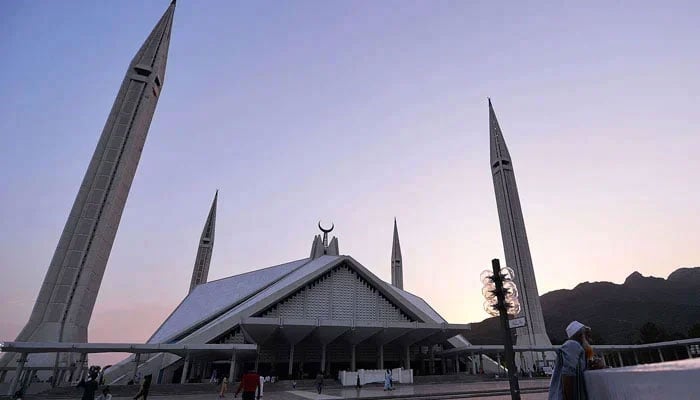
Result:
474,390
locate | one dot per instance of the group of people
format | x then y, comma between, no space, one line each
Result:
91,386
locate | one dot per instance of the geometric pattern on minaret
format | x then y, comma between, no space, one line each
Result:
67,296
396,261
206,246
515,244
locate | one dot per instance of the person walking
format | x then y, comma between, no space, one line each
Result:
387,380
262,385
250,382
574,357
224,387
145,386
89,387
319,382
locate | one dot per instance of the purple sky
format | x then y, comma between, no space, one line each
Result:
355,112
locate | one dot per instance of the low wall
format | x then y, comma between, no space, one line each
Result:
677,380
349,378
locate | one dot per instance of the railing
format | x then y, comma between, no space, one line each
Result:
615,355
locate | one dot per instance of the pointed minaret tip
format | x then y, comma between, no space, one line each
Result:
396,260
499,150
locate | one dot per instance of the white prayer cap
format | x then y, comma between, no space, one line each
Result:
573,328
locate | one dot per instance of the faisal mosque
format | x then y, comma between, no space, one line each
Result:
324,312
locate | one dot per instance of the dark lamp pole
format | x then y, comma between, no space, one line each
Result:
508,342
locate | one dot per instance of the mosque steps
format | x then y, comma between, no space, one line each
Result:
71,392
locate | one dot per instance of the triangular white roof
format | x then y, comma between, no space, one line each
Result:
212,298
214,307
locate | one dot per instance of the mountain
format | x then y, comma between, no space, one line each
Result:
616,312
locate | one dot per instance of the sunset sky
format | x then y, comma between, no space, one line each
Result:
354,113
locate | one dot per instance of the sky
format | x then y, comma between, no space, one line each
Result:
355,112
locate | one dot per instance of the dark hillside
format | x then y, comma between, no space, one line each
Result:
616,312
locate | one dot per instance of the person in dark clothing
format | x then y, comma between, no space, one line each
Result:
319,382
19,395
89,387
250,382
145,386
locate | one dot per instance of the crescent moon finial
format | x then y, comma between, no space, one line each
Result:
325,230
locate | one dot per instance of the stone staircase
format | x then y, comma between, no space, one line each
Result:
71,392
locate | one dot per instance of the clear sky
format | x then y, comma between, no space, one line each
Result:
355,112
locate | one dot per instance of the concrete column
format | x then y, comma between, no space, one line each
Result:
25,378
431,360
473,357
661,356
232,370
381,356
29,378
185,369
408,357
18,374
137,360
328,362
290,369
353,361
323,358
82,366
457,364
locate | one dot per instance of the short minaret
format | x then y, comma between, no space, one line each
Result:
206,246
396,261
515,245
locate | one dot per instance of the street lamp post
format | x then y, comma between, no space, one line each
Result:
502,299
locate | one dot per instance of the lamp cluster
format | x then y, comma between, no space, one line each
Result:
490,292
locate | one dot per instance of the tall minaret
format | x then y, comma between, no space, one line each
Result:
67,296
206,246
396,262
515,244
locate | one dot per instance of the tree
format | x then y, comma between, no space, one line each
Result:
651,333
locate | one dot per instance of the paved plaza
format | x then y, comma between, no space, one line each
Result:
475,390
309,395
